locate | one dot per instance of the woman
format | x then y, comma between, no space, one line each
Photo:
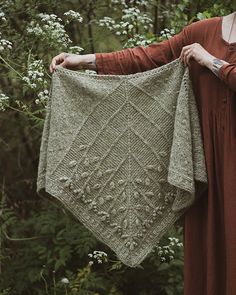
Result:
208,47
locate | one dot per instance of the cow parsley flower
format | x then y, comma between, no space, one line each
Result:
35,74
73,15
5,44
167,252
65,281
131,18
2,16
137,40
166,33
75,49
98,256
43,96
49,27
4,101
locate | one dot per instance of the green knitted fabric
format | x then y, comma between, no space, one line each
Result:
123,153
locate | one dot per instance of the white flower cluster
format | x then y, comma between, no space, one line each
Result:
49,17
49,27
166,33
73,15
43,96
140,2
122,2
100,256
75,49
106,21
175,242
137,2
131,12
35,74
131,17
2,16
167,252
4,100
4,44
137,40
7,4
65,281
134,14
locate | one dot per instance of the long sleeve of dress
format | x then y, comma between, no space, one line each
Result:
141,58
227,73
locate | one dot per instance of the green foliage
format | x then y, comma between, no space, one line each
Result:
185,12
43,248
59,247
49,252
218,9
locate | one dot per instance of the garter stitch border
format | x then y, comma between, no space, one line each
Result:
123,153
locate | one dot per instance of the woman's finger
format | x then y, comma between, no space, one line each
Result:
184,57
183,52
56,60
181,55
188,56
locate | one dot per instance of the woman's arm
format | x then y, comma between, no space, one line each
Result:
130,60
221,68
73,61
141,58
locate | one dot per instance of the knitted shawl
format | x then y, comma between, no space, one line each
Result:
123,153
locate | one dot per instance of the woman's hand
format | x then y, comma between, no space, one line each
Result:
73,61
202,56
197,52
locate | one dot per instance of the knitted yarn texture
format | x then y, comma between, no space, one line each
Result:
123,153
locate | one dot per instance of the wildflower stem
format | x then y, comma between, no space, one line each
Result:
18,110
10,66
110,260
45,282
21,239
48,75
27,113
66,289
54,283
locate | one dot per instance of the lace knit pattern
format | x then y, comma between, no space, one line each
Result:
122,153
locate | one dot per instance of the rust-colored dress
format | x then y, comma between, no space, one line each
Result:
210,224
